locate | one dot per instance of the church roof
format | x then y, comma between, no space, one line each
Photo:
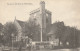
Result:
21,23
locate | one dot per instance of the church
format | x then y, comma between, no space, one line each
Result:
42,17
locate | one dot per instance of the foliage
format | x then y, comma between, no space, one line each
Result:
66,34
8,30
1,27
31,29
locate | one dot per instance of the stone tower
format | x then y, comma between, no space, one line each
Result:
42,17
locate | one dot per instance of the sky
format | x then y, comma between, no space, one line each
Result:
62,10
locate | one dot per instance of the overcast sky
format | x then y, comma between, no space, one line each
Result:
62,10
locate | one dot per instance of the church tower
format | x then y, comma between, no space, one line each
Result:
43,18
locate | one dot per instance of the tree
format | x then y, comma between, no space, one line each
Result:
59,28
8,30
66,34
1,27
31,29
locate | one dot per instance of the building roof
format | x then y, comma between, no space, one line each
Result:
21,23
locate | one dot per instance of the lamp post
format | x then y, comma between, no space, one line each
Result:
12,40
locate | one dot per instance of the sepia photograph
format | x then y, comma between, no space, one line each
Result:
39,25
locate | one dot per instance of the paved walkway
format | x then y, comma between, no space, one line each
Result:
60,50
78,49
